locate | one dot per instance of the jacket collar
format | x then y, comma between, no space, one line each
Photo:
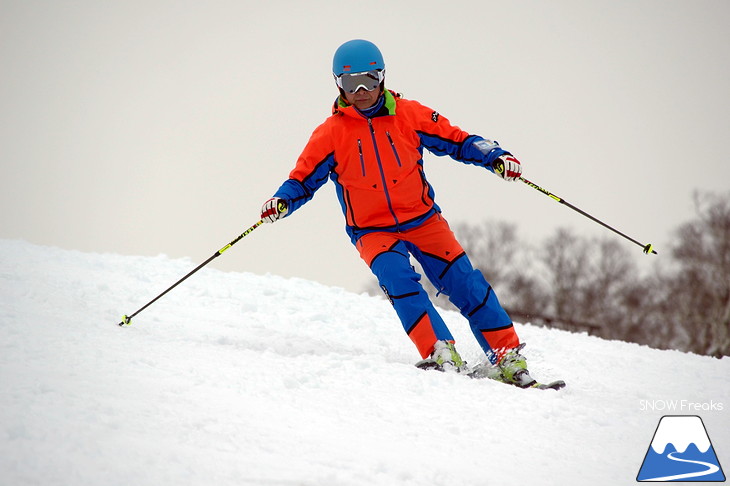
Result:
342,107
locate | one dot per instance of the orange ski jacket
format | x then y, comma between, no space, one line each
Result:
376,163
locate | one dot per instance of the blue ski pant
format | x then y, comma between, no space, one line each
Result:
447,266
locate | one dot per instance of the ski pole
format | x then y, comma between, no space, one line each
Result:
648,248
127,320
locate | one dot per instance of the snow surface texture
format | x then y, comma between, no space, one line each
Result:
259,380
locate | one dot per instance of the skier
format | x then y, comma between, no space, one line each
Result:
372,147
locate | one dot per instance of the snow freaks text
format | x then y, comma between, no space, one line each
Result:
680,406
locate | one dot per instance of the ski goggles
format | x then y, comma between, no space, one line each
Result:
351,82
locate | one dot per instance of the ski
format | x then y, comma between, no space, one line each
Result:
553,385
488,371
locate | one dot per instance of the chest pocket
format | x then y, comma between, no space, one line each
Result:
362,159
395,150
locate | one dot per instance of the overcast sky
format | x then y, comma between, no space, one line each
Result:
160,127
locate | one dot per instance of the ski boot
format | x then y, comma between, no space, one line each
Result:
444,357
513,368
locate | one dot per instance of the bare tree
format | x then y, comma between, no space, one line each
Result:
566,257
701,288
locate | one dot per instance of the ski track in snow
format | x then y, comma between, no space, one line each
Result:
236,378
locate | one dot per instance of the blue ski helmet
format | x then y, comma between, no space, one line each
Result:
357,56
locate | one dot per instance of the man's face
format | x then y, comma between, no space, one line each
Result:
363,99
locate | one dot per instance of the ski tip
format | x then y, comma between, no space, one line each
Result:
555,385
429,364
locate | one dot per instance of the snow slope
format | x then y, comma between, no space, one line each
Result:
258,380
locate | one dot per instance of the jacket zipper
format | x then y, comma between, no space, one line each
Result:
392,145
362,160
349,207
382,173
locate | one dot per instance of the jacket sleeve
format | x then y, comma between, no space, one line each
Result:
311,171
440,137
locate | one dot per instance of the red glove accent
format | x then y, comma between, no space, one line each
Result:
507,167
273,209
